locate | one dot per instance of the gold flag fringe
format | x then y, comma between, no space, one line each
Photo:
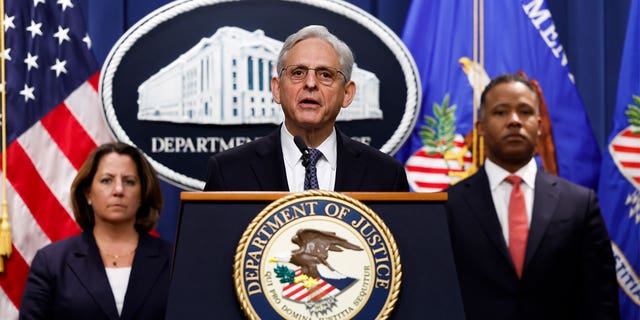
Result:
5,235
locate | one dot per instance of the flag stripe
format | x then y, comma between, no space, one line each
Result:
630,134
627,156
620,148
432,178
70,136
55,170
8,309
307,294
424,154
84,104
438,186
94,81
322,293
630,164
431,170
13,284
25,231
293,288
48,212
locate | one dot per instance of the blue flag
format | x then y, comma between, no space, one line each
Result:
458,45
619,190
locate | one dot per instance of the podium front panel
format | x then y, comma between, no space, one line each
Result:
210,230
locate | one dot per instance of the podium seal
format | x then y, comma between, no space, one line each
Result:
317,255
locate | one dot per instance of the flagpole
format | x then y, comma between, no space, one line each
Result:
475,110
477,144
5,227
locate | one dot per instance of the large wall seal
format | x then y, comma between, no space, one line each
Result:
191,79
317,255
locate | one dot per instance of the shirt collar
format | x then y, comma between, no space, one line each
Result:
292,154
497,174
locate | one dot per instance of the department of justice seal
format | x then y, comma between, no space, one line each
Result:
317,255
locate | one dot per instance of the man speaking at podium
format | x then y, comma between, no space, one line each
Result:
307,151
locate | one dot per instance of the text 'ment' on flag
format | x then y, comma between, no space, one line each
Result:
54,121
619,189
510,36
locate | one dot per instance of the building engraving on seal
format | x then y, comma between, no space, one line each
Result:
225,80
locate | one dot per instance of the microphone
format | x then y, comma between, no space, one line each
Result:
303,148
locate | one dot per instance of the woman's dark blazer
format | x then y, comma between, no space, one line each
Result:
67,280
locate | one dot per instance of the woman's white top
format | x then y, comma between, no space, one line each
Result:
119,279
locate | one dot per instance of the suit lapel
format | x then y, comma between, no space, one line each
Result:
545,201
478,196
87,266
268,167
350,168
147,267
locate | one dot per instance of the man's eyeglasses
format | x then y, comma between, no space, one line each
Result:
324,75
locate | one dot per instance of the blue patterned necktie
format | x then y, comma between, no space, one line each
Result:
311,177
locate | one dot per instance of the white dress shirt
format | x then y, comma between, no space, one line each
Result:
119,281
325,168
501,191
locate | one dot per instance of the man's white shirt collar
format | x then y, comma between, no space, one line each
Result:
292,154
497,174
326,165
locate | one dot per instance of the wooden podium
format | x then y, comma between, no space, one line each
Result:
211,224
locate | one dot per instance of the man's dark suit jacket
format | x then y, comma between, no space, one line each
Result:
68,280
568,270
259,166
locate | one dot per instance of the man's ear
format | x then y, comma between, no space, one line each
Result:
349,93
275,89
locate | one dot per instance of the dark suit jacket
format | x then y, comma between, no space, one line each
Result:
67,280
259,166
568,270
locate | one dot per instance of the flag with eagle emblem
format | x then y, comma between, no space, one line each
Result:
619,190
457,47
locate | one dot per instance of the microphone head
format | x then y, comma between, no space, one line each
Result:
304,149
300,144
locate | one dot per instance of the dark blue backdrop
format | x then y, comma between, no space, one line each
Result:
592,33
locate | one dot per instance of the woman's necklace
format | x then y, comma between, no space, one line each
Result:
115,257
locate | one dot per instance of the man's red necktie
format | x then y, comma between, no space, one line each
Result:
518,226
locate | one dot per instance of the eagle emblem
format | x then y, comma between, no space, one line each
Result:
314,249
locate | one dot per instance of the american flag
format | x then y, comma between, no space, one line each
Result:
323,288
54,120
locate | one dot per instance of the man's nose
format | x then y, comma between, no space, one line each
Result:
311,81
515,118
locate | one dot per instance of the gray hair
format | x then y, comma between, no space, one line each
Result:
319,32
